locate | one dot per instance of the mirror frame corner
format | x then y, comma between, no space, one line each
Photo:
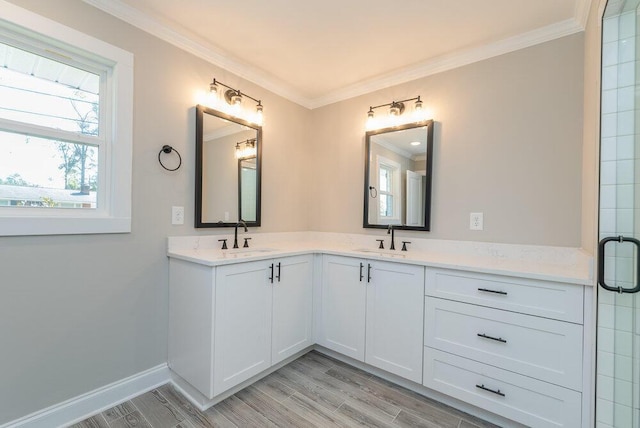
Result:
429,173
201,110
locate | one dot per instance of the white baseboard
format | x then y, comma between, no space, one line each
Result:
85,405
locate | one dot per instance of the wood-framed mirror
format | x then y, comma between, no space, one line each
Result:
398,175
228,170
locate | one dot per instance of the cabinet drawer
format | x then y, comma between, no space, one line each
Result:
544,349
519,398
541,298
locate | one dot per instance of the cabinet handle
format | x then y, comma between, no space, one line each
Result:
486,290
271,277
278,276
497,339
493,391
361,275
368,272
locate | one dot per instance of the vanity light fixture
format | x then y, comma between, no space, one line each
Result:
233,100
396,110
246,149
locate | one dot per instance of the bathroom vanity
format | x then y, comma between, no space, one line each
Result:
497,330
229,323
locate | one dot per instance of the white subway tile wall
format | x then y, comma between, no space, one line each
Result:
618,374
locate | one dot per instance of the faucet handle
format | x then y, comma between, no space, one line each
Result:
224,243
246,243
404,245
381,246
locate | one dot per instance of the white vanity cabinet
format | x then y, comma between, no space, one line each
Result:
512,346
292,317
231,322
516,345
343,305
373,311
241,323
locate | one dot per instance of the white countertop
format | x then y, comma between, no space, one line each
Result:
560,264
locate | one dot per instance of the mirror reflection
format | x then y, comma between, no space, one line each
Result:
398,177
248,179
227,170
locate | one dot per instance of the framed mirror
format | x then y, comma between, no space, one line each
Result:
228,154
397,182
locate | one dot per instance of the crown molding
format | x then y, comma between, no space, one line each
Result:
220,58
581,12
205,51
451,61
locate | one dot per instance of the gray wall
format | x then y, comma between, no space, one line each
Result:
591,147
79,312
508,143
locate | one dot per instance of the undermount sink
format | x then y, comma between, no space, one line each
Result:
246,252
252,250
382,252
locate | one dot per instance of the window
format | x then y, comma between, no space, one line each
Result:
386,191
65,129
389,191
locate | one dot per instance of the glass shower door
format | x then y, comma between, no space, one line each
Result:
618,352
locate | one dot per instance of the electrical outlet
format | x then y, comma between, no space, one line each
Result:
476,221
177,215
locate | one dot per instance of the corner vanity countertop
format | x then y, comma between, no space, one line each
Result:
560,264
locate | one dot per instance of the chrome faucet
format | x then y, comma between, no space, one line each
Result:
390,230
235,233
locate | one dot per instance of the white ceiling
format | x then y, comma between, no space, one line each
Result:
318,52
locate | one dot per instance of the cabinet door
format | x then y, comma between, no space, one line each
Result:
343,305
242,323
395,319
292,307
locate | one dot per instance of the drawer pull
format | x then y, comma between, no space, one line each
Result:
486,290
493,391
497,339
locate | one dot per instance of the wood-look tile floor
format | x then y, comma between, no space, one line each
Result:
312,391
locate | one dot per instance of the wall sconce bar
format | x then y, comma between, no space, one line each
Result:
396,109
246,149
233,97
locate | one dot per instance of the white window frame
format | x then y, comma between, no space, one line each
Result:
395,168
113,214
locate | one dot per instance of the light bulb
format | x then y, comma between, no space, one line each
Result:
259,116
370,119
251,148
212,96
236,104
213,88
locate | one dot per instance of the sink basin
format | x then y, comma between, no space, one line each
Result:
383,253
246,252
251,250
